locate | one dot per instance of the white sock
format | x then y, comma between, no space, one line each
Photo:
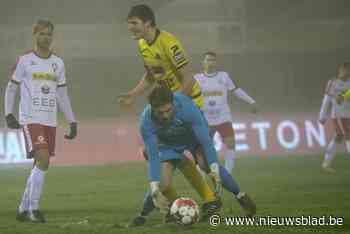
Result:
229,160
24,206
36,186
330,152
347,145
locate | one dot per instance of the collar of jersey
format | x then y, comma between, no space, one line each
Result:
37,55
210,75
155,38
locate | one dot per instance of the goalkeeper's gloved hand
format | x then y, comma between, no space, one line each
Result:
12,122
72,132
159,200
214,174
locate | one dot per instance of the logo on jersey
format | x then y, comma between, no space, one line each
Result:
54,67
45,89
178,55
43,76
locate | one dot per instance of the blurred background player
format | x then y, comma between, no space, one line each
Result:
215,86
338,111
170,125
40,74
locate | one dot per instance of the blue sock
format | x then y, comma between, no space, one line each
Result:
148,205
228,182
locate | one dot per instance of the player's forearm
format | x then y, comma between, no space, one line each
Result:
10,96
141,87
186,76
64,104
241,94
326,104
153,160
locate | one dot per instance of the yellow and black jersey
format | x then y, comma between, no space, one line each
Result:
163,58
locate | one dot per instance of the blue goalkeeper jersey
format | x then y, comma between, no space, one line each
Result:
187,128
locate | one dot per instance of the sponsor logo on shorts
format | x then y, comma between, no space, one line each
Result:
40,140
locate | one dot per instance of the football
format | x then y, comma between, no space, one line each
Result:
185,211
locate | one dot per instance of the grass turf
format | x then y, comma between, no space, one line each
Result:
102,199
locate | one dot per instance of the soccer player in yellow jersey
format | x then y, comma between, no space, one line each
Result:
166,65
164,58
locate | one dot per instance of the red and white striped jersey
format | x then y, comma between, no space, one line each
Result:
38,79
215,90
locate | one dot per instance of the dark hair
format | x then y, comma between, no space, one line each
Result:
210,53
160,96
42,23
143,12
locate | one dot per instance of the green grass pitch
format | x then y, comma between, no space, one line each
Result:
102,199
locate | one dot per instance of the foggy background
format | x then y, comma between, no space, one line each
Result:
281,52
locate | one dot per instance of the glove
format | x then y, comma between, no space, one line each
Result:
159,200
12,122
73,131
215,176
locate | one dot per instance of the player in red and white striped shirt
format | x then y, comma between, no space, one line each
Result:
338,112
40,74
216,86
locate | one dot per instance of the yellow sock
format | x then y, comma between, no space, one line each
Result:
189,170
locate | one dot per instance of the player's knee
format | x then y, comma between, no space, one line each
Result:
42,159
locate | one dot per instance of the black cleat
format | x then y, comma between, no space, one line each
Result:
247,204
36,216
210,208
137,221
22,216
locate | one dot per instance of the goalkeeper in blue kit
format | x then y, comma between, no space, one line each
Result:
170,125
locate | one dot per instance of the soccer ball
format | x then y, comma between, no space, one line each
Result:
185,211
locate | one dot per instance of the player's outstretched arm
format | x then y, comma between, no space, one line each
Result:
151,147
65,106
241,94
144,84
